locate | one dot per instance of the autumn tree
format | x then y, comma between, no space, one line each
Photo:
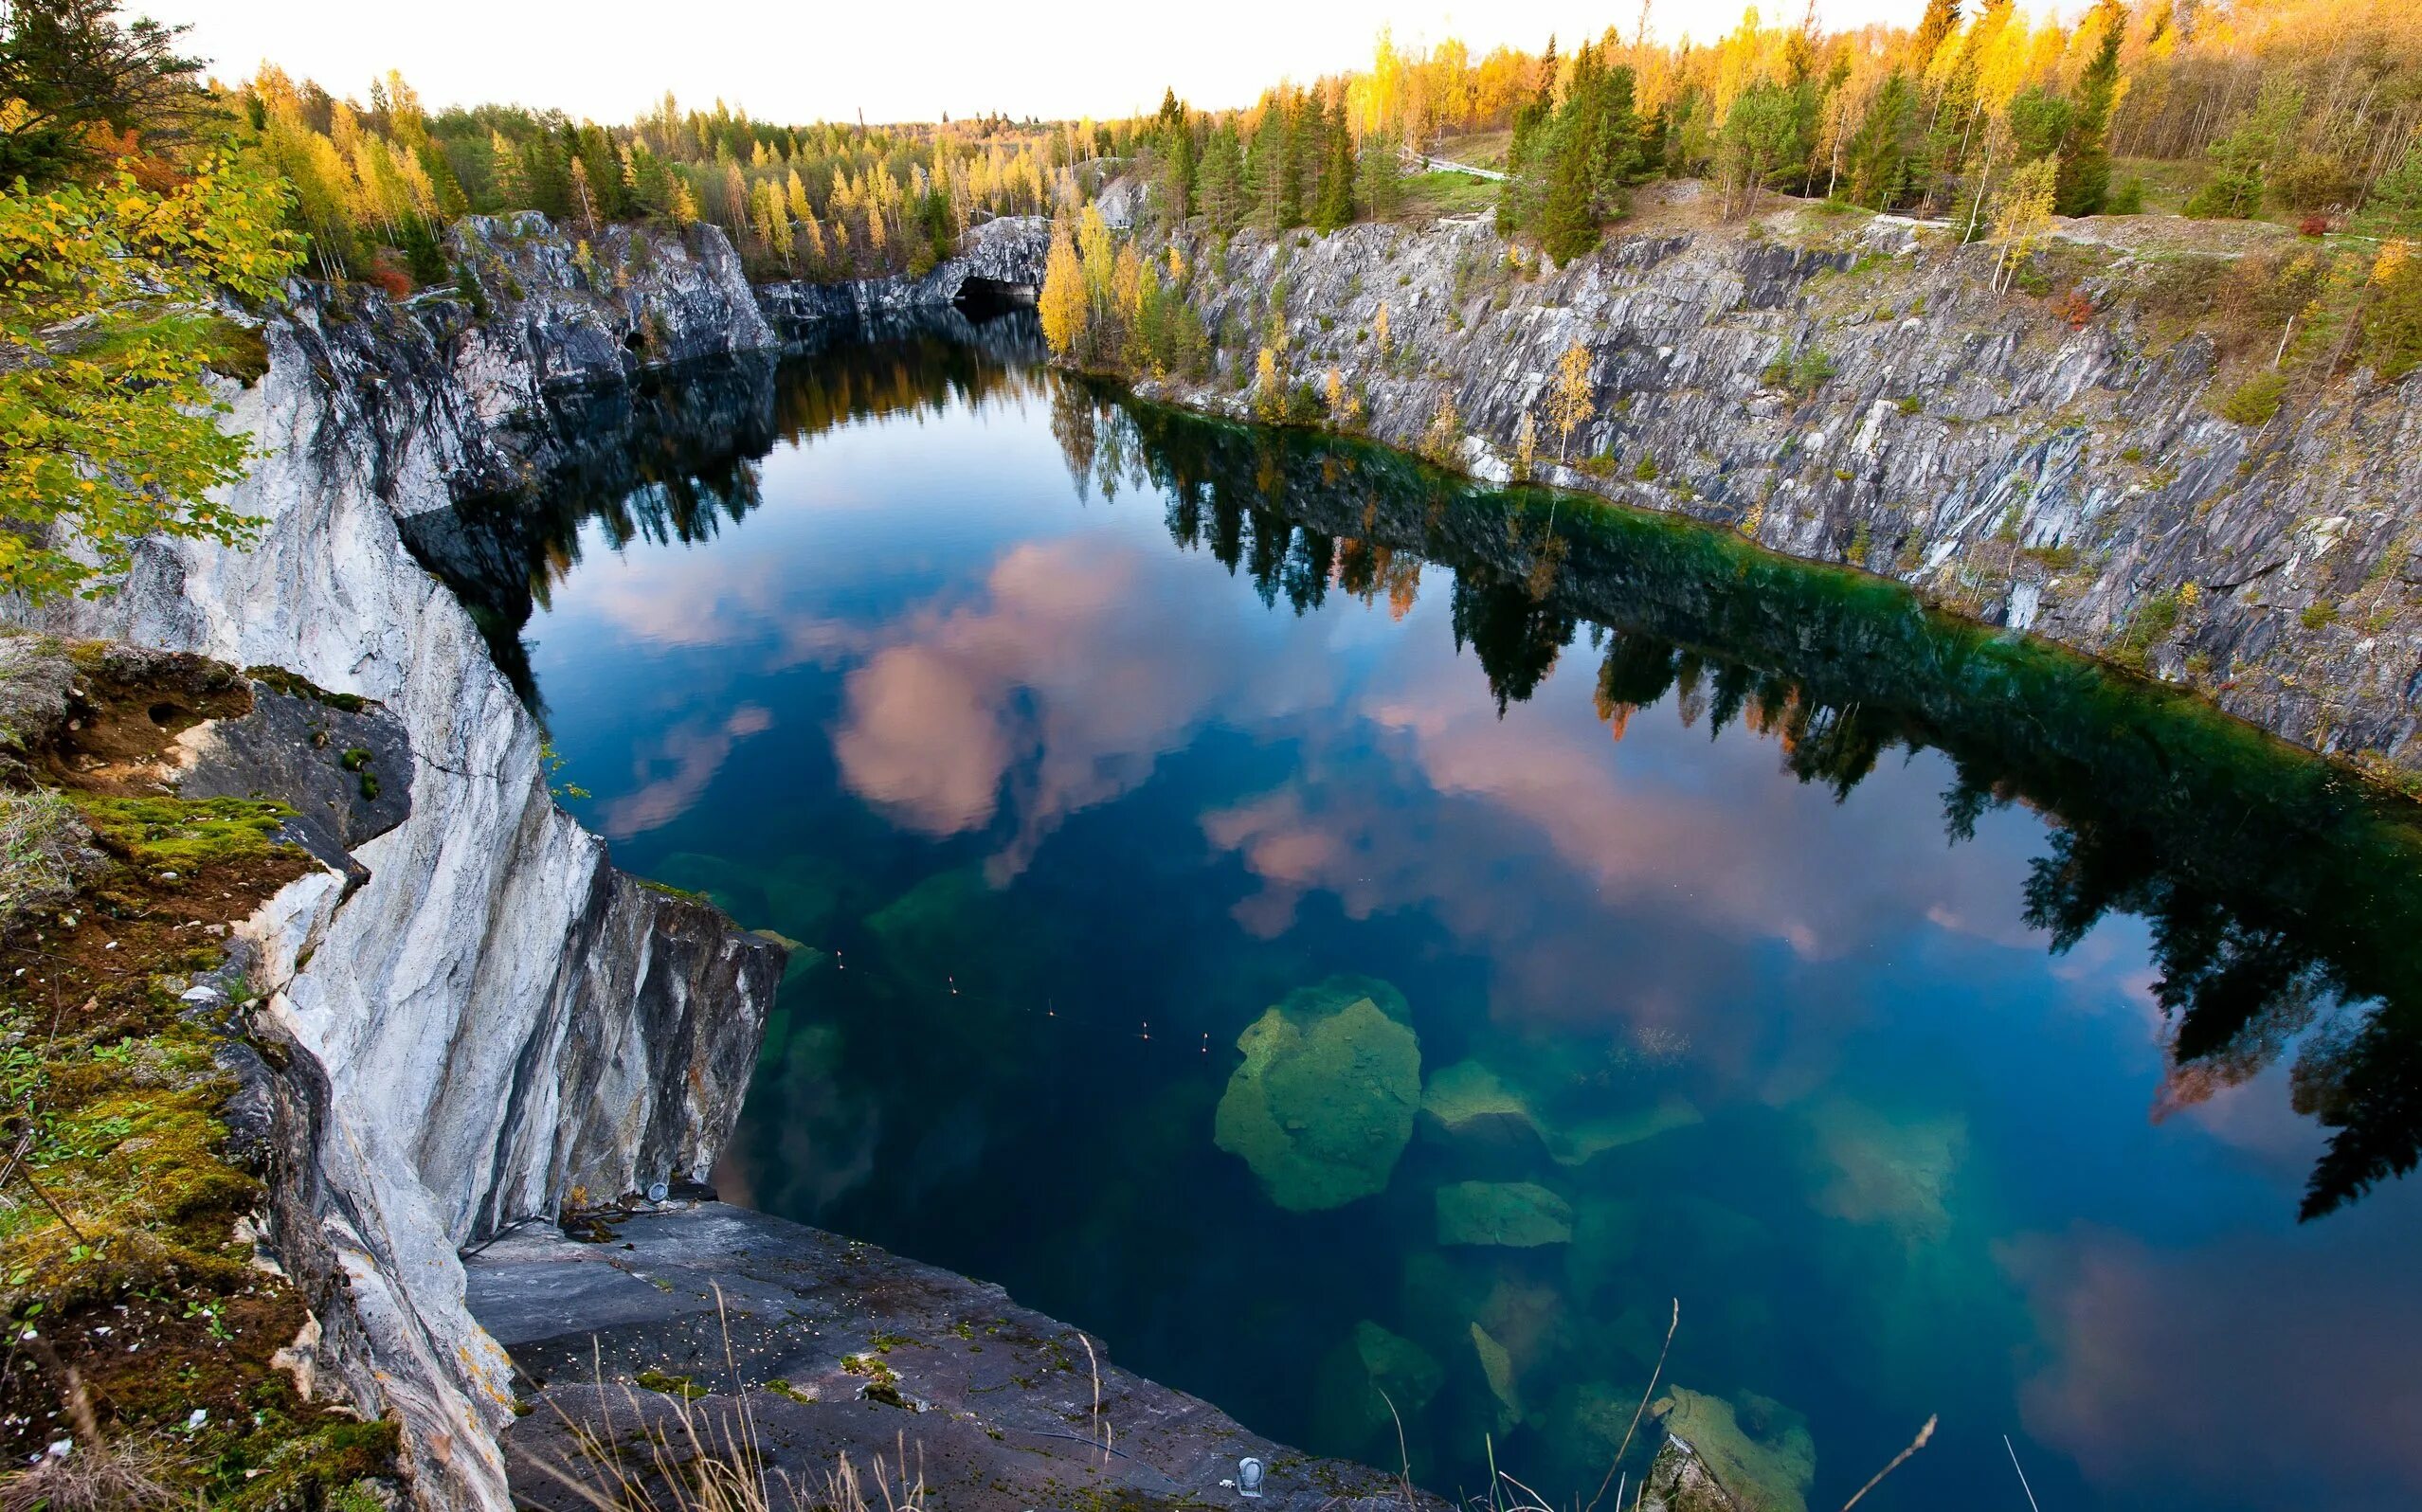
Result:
1064,304
107,427
1571,399
84,86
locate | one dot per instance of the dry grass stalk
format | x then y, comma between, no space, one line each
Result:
692,1462
1916,1444
95,1475
1096,1365
1625,1447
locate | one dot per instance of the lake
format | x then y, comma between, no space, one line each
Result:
1366,947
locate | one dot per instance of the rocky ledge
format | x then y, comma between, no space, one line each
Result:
836,1347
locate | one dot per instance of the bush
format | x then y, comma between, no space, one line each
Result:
2256,400
2316,615
43,846
2128,199
2313,226
1645,469
2074,307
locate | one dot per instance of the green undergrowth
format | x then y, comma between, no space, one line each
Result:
142,1329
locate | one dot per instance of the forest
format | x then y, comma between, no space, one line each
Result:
2307,110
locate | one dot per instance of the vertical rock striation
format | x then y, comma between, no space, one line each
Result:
1856,391
495,1017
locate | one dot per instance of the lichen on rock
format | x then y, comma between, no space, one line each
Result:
1324,1103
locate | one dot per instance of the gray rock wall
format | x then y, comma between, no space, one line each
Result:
2074,482
495,1015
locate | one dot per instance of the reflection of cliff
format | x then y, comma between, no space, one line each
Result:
2277,888
673,455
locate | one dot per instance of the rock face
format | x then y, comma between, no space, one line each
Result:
1005,254
836,1347
1863,396
494,1017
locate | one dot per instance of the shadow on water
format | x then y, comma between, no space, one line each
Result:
2284,895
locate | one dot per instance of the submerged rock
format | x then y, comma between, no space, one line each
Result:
1364,1377
1679,1481
1761,1453
1471,1097
1519,1213
1323,1105
1497,1365
1894,1174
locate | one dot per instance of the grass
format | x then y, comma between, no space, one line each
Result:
680,1450
1428,196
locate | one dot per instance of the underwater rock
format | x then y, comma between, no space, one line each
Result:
1600,1415
1471,1096
1324,1103
1606,1234
1679,1481
1761,1454
1519,1213
1582,1141
1371,1369
1499,1366
1885,1172
1468,1092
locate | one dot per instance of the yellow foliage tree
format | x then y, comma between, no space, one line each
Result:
1064,307
1570,402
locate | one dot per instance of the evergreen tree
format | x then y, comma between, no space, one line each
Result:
1222,179
1178,173
1379,177
1883,151
2085,182
1336,204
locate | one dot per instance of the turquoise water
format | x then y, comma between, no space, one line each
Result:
1614,920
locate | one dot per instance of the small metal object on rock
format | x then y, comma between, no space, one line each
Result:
1249,1477
657,1190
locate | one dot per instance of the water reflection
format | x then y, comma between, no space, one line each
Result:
1714,891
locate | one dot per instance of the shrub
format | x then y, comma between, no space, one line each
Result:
2318,614
2313,226
2074,307
2128,199
2256,400
1645,469
1910,404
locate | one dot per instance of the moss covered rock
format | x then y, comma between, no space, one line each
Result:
1759,1451
1518,1213
1324,1103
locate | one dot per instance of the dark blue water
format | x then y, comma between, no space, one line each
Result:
1619,918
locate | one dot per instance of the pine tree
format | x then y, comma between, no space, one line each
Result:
1883,151
1223,181
1336,206
2085,159
1379,177
1178,173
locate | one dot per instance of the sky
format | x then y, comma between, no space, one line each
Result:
785,60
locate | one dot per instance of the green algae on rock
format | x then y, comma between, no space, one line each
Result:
1761,1452
1323,1105
1497,1365
1471,1097
1520,1215
1371,1371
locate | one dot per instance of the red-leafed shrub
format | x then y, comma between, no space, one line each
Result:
397,283
2314,225
2074,307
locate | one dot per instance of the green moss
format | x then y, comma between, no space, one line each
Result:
354,759
782,1387
237,350
1324,1103
182,834
668,1384
293,685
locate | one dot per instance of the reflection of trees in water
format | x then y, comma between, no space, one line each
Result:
2284,898
677,456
